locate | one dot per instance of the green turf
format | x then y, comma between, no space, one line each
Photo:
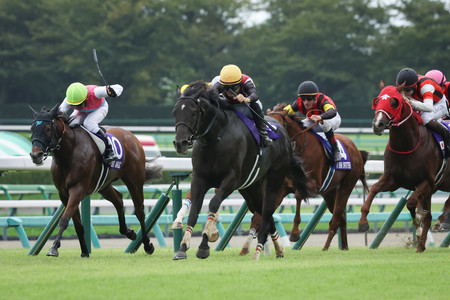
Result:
384,273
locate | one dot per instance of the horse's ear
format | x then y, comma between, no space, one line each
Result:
54,110
178,91
401,87
381,85
34,112
375,102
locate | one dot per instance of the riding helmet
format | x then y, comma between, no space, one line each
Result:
308,88
407,76
437,76
230,75
76,93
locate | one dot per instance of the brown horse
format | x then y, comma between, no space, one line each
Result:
412,160
317,165
78,171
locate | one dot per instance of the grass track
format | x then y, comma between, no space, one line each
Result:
384,273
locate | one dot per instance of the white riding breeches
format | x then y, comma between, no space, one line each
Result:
328,124
439,111
90,120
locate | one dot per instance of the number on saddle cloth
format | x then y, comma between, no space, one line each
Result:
344,163
116,146
440,140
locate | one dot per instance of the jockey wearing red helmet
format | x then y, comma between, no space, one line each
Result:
425,96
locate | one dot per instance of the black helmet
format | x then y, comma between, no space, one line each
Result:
308,88
407,76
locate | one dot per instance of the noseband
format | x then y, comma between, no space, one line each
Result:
194,129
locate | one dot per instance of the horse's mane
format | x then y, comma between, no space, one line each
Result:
45,111
200,88
293,117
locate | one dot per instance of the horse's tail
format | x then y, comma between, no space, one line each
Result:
365,156
298,177
153,171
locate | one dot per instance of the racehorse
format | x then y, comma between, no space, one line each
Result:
412,160
316,165
226,156
78,171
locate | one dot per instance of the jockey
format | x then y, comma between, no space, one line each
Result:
439,77
237,88
318,107
90,108
426,96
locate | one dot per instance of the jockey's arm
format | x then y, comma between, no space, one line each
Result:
426,105
64,107
101,91
330,112
250,89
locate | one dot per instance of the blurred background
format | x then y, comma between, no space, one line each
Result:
151,46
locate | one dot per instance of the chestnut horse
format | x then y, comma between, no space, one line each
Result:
77,170
317,165
412,160
226,156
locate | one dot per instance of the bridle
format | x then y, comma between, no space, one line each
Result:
286,123
396,121
194,129
48,143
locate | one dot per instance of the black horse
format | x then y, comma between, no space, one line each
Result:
226,156
78,171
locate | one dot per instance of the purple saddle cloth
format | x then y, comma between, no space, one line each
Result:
344,163
252,127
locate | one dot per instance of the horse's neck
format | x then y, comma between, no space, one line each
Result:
213,123
405,137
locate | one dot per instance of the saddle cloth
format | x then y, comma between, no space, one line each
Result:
252,127
115,142
344,163
440,140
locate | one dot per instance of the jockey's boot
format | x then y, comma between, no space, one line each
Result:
261,126
442,130
109,153
334,146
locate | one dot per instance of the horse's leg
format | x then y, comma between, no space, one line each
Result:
71,203
115,197
422,195
441,224
210,232
256,219
198,192
137,195
295,232
384,183
80,233
331,201
184,210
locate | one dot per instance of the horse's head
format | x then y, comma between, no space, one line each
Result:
187,112
389,110
43,134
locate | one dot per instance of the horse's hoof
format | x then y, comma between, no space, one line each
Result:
445,227
84,255
363,227
214,237
149,249
179,255
202,253
177,225
280,256
294,237
53,252
131,234
244,252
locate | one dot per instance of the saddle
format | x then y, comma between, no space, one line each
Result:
117,147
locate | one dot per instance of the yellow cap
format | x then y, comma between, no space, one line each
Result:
230,75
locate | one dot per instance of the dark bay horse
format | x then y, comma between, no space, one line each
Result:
226,156
412,160
317,165
77,168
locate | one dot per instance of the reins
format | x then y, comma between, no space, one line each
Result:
398,124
